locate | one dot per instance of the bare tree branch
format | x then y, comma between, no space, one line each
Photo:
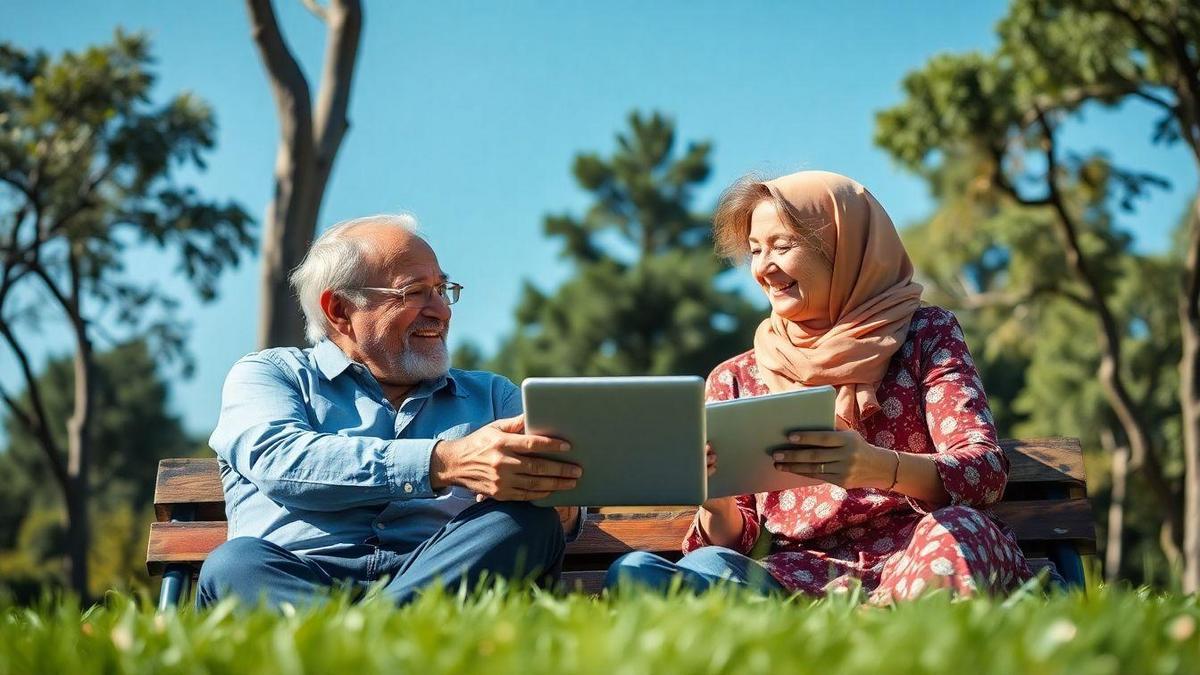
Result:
316,9
1155,100
22,416
1110,371
1002,181
310,139
293,100
49,448
333,98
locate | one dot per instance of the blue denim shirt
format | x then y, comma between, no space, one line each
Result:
313,456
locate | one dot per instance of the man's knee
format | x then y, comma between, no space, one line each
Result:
230,560
231,565
524,519
532,534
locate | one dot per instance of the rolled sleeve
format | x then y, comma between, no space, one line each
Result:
696,537
264,434
968,457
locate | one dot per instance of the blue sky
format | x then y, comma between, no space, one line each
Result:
468,115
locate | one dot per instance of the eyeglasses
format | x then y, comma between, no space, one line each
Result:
420,294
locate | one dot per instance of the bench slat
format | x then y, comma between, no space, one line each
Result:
1068,520
603,537
189,481
196,480
188,543
1044,460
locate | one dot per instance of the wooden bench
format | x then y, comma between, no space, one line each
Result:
1046,505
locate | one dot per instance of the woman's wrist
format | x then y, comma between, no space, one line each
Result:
918,477
720,521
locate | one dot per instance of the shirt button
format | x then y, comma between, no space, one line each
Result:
382,526
408,488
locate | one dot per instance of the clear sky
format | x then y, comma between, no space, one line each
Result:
468,115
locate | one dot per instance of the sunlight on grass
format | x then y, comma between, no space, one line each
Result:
508,631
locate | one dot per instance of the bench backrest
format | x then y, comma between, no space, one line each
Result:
1045,504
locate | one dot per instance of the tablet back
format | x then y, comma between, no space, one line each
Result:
744,430
640,440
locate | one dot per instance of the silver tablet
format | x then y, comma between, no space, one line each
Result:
744,431
640,440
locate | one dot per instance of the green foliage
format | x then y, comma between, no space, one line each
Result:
132,431
88,167
981,128
644,298
1107,631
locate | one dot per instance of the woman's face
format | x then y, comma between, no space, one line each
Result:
792,272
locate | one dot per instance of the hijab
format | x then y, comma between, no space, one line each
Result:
871,299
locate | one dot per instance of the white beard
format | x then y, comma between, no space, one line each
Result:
415,365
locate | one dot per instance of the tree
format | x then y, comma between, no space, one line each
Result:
309,139
643,298
87,168
1073,52
1000,266
131,431
989,117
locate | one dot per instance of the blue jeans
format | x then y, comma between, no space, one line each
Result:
511,540
697,571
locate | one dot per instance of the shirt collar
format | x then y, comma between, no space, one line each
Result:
332,361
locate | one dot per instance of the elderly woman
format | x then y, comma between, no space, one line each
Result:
898,485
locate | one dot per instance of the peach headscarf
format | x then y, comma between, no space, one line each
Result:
871,299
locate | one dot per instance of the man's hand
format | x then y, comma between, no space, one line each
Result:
497,462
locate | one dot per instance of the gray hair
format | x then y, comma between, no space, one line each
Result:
337,262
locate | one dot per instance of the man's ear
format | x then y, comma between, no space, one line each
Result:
337,311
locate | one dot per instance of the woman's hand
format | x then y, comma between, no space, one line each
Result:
568,517
716,504
843,458
719,517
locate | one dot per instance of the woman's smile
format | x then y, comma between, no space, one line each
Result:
782,288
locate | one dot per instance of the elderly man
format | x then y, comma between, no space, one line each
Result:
366,456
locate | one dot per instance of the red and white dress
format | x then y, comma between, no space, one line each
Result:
822,537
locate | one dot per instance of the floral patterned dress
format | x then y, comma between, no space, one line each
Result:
824,536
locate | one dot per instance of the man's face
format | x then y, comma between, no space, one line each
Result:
402,343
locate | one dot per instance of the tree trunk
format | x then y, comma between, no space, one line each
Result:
309,142
1114,545
1143,456
1189,403
79,459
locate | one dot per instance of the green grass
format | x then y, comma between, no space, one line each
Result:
1105,631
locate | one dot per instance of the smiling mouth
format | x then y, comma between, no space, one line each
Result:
429,334
781,290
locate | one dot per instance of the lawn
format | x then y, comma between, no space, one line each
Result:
1104,631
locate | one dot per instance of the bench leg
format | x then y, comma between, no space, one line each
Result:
176,578
1066,556
1069,564
175,582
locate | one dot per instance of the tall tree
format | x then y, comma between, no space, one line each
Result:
644,297
87,167
132,430
1000,265
982,108
1072,52
309,138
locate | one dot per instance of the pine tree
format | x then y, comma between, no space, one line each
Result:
644,297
